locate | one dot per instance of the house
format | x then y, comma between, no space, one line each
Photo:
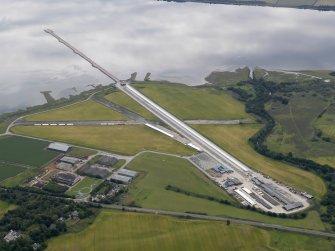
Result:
12,236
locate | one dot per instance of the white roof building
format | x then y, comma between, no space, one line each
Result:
12,236
121,178
127,172
59,147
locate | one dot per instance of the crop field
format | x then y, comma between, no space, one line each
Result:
234,139
187,102
25,151
87,110
158,171
113,230
84,187
123,100
9,170
119,139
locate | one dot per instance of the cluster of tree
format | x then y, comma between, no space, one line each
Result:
37,218
54,187
197,195
264,91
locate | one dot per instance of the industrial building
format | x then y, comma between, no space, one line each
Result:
231,182
94,170
59,147
66,178
246,197
222,169
126,172
120,178
293,206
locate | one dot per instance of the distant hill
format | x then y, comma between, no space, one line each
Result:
324,5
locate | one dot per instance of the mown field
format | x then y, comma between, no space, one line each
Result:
85,186
25,151
158,171
127,140
234,139
129,231
187,102
9,170
123,100
87,110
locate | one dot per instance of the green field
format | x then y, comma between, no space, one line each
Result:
87,110
119,139
187,102
9,170
123,100
234,139
85,186
157,171
79,152
25,151
130,231
227,78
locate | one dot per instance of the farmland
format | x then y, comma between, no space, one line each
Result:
25,151
234,139
9,170
158,171
123,100
87,110
127,140
129,231
186,98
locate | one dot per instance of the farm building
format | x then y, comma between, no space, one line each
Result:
126,172
107,161
64,166
66,178
120,178
59,147
70,160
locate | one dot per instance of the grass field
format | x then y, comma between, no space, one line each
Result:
87,110
129,231
123,100
234,139
187,102
227,78
25,151
85,186
79,152
157,171
120,139
9,170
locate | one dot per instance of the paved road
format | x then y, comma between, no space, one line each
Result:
78,123
217,218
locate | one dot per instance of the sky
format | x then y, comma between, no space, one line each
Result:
173,41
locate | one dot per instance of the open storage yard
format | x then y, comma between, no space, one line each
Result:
129,231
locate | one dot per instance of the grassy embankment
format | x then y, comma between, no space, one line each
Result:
87,110
123,100
158,171
24,156
187,102
129,231
127,140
